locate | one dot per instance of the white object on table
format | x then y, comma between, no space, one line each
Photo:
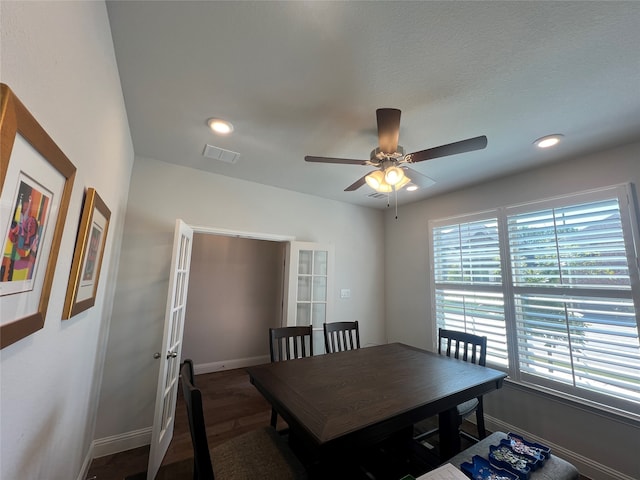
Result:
444,472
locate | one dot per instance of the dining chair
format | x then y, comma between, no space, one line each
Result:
470,348
260,453
288,343
341,336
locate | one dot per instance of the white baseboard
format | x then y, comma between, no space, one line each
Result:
586,466
139,438
230,364
121,443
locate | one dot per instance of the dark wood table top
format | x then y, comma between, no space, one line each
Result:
365,394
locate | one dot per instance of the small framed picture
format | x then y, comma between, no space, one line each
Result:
87,257
36,179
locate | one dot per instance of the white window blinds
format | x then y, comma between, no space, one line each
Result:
468,282
554,286
574,311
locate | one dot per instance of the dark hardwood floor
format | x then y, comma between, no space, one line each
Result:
232,406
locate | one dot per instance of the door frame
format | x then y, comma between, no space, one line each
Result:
242,234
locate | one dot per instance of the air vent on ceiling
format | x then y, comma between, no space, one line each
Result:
378,195
221,154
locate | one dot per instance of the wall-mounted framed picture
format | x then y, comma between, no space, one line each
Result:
37,179
87,257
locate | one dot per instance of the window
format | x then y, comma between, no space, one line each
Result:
468,280
554,286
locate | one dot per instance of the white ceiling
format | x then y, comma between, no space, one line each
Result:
305,78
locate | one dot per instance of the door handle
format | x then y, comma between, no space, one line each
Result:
171,354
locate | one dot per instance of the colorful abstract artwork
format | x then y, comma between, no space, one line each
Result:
25,233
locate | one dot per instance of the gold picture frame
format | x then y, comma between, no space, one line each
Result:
87,257
36,179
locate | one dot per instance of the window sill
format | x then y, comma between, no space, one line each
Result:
588,406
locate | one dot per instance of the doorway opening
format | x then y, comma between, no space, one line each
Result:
236,292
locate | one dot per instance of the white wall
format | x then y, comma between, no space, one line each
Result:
408,309
159,194
58,58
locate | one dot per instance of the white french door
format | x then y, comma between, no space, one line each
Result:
170,352
309,288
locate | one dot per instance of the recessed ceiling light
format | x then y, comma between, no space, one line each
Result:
548,141
411,188
219,126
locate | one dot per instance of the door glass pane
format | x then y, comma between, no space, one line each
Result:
175,318
320,262
303,317
319,314
304,289
304,263
319,289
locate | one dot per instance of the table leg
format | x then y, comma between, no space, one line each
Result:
448,433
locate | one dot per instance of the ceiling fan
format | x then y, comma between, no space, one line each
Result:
392,172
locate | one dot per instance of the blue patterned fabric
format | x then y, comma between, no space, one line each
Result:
553,469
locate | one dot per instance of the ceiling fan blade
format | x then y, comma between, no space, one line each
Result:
422,181
357,184
388,129
346,161
468,145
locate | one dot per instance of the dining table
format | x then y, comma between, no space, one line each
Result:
348,401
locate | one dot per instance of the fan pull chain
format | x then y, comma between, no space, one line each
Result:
395,192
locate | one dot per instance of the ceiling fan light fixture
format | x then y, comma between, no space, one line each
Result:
384,188
393,175
405,180
220,126
375,179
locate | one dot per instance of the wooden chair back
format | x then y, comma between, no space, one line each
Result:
288,343
341,336
202,468
463,346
